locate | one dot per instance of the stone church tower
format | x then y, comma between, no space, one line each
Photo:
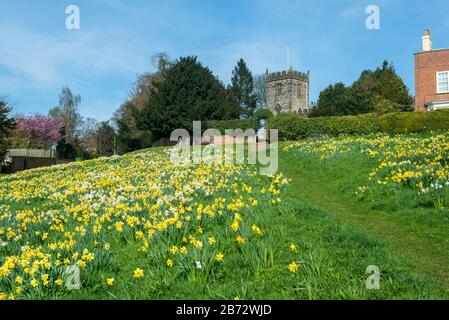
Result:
288,91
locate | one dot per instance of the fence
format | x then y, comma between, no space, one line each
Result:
32,153
26,163
24,159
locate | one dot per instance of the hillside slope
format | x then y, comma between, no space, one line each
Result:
143,227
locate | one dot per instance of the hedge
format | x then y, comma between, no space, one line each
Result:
414,121
293,127
223,125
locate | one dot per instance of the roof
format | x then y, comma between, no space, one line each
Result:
434,50
290,74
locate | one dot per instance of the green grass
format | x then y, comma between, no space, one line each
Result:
337,238
332,256
410,231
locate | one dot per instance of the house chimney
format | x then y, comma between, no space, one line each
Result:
427,41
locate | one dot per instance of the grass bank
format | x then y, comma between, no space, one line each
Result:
410,228
141,227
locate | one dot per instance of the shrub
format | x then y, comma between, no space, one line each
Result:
293,127
361,124
223,125
263,114
414,121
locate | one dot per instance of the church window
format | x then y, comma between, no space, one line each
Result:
278,90
299,91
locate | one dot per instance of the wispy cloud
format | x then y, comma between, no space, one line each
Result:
259,54
38,60
117,38
352,11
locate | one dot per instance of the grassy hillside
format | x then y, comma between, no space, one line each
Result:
143,227
393,187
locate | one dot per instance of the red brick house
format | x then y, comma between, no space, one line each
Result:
431,76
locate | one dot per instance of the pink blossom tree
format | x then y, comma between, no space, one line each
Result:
41,130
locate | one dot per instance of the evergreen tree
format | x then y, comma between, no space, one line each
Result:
129,136
7,124
358,100
331,101
391,88
189,92
381,90
242,87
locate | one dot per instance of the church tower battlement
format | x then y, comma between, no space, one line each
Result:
288,91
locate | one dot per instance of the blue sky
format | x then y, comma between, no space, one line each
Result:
38,55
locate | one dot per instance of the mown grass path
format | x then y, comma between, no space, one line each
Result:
422,254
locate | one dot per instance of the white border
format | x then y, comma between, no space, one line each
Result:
438,83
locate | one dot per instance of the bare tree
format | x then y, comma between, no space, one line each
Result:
145,81
260,91
161,61
86,132
129,137
104,138
69,111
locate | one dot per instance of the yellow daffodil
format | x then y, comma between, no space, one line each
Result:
212,241
293,267
219,257
293,247
240,240
138,273
34,283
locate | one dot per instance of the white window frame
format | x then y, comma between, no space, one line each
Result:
438,81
